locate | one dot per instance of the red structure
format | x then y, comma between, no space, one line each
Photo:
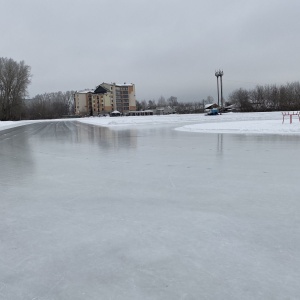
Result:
290,114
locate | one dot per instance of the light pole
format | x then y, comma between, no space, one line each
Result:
220,74
217,75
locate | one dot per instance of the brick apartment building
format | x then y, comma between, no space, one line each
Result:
106,98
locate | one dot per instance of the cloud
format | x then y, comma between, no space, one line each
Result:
165,47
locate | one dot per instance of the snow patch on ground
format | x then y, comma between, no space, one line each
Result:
241,123
246,127
11,124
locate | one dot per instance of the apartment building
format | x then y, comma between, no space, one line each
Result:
106,98
123,95
81,101
93,102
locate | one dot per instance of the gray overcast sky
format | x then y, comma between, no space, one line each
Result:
165,47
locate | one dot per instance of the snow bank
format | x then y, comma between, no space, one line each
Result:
141,120
173,119
242,123
248,127
11,124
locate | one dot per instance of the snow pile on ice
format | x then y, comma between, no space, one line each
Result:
250,127
141,120
11,124
242,123
249,123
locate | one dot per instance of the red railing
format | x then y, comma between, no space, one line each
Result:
290,114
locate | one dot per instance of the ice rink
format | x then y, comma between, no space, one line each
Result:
147,212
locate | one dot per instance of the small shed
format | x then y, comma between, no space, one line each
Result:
231,107
115,113
141,113
210,106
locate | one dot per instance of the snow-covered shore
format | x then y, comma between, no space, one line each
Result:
246,127
241,123
11,124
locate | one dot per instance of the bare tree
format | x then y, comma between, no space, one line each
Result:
240,98
141,105
151,104
144,105
172,102
161,102
138,105
267,98
14,80
209,100
51,105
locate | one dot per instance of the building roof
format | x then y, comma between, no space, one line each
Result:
118,84
210,105
85,91
124,84
100,90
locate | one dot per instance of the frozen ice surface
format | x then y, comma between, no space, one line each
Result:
147,212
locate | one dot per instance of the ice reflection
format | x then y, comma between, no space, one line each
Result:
15,156
266,138
106,138
220,144
68,132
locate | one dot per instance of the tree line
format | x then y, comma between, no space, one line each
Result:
178,106
50,105
267,98
14,80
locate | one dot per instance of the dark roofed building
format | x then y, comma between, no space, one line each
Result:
100,90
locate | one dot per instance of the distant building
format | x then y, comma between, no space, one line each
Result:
115,113
81,101
93,102
123,96
105,99
147,112
230,108
210,106
164,110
